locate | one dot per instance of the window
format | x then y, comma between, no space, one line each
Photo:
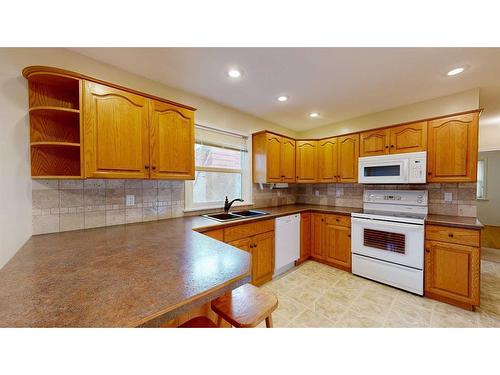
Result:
481,179
221,169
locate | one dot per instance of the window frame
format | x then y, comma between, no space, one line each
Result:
246,184
484,197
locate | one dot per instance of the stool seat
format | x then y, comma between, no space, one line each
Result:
199,322
246,306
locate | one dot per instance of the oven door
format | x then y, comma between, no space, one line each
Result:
372,170
400,243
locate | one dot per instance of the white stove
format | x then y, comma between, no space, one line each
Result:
388,238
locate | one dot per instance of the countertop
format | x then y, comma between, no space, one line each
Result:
129,275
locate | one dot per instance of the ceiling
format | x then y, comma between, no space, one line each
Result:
339,83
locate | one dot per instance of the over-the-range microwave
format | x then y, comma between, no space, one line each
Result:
409,168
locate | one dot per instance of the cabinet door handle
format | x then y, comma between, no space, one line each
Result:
153,167
146,166
450,235
386,146
427,250
337,220
392,146
429,173
348,236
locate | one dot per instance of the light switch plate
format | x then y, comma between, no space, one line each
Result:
448,197
316,192
130,200
339,192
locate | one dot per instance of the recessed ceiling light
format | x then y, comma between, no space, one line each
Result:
282,98
234,73
313,114
456,71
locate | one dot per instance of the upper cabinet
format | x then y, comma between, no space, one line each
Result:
348,158
328,160
452,149
273,158
306,161
394,140
83,127
171,142
116,131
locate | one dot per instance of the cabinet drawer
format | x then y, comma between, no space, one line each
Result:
344,221
247,230
452,235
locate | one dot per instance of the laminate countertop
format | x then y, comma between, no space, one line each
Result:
130,275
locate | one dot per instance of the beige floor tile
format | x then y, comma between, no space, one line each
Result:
311,319
288,309
352,319
303,295
342,295
443,320
330,308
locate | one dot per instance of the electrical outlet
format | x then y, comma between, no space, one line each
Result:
448,197
339,192
130,200
316,192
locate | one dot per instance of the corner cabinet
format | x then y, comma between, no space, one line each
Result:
273,158
306,161
453,149
82,127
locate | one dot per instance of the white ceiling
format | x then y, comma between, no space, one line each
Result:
339,83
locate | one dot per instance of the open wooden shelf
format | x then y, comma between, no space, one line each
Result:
55,125
54,144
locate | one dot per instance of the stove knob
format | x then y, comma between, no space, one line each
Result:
419,201
420,196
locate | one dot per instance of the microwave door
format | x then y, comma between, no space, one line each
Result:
387,172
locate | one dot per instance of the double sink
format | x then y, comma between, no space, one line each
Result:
238,215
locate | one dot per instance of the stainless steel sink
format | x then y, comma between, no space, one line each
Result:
238,215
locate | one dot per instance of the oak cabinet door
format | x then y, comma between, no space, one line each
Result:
274,143
243,244
337,243
305,236
172,142
452,149
409,138
317,223
262,257
287,160
375,142
116,128
348,158
327,160
452,271
306,161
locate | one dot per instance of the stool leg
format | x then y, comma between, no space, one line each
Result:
219,321
269,321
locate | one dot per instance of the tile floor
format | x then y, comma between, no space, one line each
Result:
316,295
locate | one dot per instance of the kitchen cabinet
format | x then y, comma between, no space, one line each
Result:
305,236
452,149
258,239
306,161
172,142
116,133
394,140
217,234
452,266
273,158
348,158
317,221
337,242
328,160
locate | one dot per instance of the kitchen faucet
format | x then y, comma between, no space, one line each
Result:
227,204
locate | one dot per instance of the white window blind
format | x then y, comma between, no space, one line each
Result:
220,138
481,179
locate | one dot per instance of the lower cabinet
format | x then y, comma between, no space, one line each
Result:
305,236
258,239
452,270
331,240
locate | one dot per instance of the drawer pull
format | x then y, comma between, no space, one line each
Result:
450,235
427,251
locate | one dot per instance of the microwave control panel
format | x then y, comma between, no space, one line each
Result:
417,171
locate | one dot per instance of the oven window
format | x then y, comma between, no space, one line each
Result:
388,241
382,171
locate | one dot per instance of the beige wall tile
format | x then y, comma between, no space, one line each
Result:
71,221
115,217
164,212
115,196
71,184
45,184
94,184
94,197
45,199
149,184
94,219
45,224
165,194
71,198
115,184
149,195
133,215
149,214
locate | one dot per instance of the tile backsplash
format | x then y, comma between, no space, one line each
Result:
63,205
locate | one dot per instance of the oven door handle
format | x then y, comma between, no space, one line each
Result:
393,224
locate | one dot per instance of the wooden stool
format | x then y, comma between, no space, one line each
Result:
198,322
246,307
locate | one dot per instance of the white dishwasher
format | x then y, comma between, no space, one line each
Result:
286,242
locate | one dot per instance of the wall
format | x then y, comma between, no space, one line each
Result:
351,195
488,211
16,189
489,137
464,101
